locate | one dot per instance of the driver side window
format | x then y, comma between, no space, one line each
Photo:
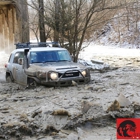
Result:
17,56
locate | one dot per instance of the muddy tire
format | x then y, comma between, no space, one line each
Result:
9,79
32,83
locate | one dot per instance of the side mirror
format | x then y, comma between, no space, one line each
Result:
20,61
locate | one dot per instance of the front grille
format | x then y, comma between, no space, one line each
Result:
69,74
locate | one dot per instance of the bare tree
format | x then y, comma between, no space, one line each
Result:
23,18
35,22
41,21
75,20
126,24
78,17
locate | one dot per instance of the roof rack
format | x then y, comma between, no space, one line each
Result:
36,45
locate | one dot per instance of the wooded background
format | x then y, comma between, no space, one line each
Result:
73,22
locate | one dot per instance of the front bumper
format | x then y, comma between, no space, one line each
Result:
67,81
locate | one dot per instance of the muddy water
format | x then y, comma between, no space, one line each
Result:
2,74
18,106
28,114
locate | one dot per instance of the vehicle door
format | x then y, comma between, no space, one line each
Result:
18,71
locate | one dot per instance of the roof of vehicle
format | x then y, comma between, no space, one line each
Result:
39,49
46,49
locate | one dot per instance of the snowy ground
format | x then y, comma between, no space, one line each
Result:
98,50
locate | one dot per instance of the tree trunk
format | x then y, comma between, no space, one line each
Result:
57,18
41,21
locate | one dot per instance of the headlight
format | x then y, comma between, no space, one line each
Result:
54,76
84,73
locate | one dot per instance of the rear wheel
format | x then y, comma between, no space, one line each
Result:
8,78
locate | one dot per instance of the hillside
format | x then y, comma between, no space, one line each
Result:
122,31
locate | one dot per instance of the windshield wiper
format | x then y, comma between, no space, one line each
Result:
64,60
36,62
48,61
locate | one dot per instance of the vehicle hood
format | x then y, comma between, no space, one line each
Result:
55,66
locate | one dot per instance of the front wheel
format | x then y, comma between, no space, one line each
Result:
32,83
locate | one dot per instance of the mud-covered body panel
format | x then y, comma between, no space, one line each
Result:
54,66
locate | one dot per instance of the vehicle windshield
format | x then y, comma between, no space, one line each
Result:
49,56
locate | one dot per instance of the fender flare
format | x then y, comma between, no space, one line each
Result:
9,73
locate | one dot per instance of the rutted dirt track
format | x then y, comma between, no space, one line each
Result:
80,112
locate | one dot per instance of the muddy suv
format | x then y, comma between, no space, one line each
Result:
39,63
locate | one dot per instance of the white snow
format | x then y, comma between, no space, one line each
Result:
3,59
94,50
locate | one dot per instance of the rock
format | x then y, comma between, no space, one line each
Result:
86,97
53,133
74,83
137,114
49,121
50,130
25,130
62,135
61,112
126,83
44,138
85,106
97,61
12,124
126,112
72,136
90,87
23,117
98,88
17,128
2,137
80,132
36,113
67,132
136,106
115,106
5,108
5,111
123,101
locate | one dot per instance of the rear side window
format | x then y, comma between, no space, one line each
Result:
9,58
17,56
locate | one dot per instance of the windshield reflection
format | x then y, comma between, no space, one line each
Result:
49,56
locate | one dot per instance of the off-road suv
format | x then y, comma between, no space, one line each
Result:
40,63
